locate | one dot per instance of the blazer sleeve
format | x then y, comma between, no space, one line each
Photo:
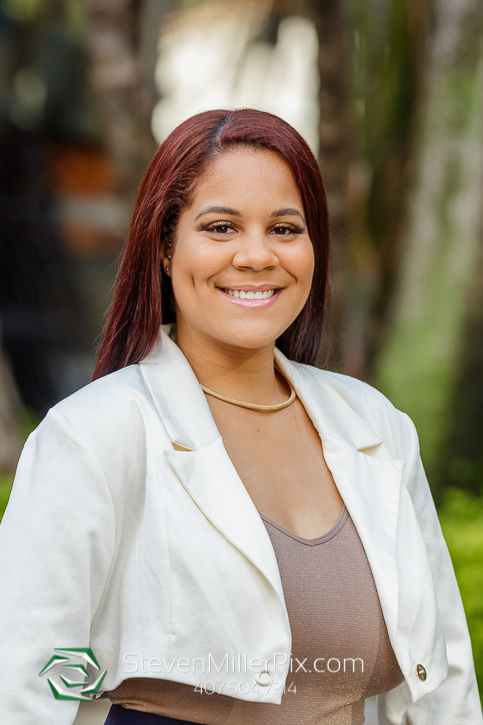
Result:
57,540
456,701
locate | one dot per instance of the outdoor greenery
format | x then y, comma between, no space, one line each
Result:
5,487
461,517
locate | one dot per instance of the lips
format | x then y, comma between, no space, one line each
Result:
255,297
250,294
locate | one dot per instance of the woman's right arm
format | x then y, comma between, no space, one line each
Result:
57,541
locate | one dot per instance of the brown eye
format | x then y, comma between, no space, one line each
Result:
284,230
218,227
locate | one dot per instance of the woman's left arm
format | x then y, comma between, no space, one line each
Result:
456,701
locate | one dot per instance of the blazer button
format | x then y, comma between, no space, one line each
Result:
421,672
264,678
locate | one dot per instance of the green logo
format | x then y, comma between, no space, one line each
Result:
73,663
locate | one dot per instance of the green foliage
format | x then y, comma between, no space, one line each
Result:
26,421
461,517
5,488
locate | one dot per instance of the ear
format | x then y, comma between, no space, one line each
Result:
166,254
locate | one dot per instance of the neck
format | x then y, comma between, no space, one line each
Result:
246,374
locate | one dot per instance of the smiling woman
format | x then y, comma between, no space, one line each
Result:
239,536
185,165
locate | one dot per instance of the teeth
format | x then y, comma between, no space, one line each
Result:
250,295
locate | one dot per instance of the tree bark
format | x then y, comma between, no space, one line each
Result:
123,38
336,151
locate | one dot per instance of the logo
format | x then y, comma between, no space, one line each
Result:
70,678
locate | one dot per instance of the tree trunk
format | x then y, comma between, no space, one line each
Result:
336,151
123,38
418,364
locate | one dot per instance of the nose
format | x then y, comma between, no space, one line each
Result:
255,251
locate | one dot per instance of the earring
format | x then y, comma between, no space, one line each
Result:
167,268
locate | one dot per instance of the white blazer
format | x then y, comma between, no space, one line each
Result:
130,532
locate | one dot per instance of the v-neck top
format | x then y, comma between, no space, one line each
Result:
341,653
333,531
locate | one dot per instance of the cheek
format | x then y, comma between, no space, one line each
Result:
300,263
192,263
198,261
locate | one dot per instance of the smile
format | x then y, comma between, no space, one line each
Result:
250,295
251,298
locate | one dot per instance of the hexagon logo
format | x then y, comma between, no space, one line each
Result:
70,678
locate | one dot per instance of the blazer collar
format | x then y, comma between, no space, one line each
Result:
177,394
187,416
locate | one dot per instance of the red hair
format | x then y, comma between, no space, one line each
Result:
143,300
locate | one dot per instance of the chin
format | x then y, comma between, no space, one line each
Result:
249,339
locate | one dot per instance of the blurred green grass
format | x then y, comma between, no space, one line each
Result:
461,517
5,488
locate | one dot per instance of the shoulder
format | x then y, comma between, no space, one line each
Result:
107,414
371,405
112,398
116,389
361,396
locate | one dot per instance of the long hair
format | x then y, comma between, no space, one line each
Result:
143,299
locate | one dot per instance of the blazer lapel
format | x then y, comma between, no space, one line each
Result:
213,483
177,395
368,479
199,458
370,488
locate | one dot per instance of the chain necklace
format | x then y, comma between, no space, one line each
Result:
253,406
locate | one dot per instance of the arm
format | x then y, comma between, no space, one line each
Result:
456,700
56,545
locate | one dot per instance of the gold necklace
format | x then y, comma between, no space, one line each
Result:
254,406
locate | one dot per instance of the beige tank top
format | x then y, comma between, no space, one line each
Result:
341,652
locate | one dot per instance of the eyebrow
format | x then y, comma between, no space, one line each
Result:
218,210
287,212
233,212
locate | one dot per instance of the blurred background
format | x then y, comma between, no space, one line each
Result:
389,95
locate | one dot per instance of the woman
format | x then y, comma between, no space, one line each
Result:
236,535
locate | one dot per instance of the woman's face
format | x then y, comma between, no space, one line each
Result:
243,261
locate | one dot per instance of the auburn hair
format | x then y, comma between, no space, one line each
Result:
143,298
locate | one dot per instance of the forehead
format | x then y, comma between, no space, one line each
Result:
251,177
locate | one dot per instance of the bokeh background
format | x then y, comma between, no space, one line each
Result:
388,93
